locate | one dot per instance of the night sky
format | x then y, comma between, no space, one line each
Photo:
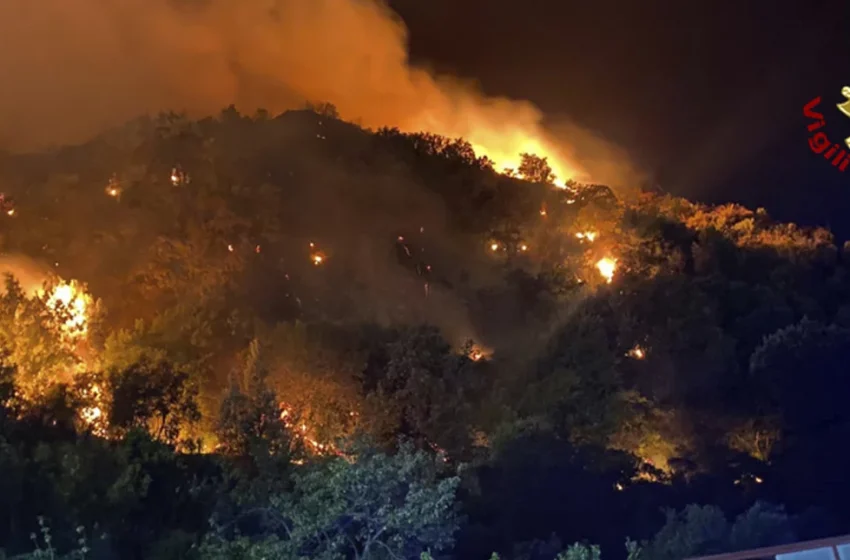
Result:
707,95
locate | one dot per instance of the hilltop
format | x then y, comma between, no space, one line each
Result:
592,353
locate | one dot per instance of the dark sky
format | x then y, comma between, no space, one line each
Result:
707,95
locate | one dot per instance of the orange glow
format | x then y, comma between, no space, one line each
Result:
477,353
317,258
504,148
302,431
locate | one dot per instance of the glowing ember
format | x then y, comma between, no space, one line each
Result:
477,353
113,191
637,353
10,212
230,248
317,258
543,211
494,247
588,235
175,177
523,247
606,268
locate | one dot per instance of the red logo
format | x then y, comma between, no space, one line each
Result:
819,142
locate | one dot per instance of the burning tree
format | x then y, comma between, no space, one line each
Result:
44,333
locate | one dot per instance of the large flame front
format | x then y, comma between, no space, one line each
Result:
509,161
71,297
606,268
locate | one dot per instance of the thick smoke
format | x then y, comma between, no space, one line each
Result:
70,69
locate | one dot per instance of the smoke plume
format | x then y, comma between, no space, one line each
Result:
71,69
29,273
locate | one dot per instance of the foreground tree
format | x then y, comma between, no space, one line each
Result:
152,396
536,169
376,507
702,530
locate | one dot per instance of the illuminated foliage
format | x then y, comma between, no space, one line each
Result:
314,373
154,397
423,390
33,332
536,169
250,422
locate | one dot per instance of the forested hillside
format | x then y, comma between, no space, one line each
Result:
290,337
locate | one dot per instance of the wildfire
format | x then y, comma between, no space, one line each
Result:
607,267
7,204
301,431
523,247
317,257
71,298
587,235
507,157
494,246
477,353
637,352
92,415
112,188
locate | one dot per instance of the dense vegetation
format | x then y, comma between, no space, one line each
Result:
315,341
